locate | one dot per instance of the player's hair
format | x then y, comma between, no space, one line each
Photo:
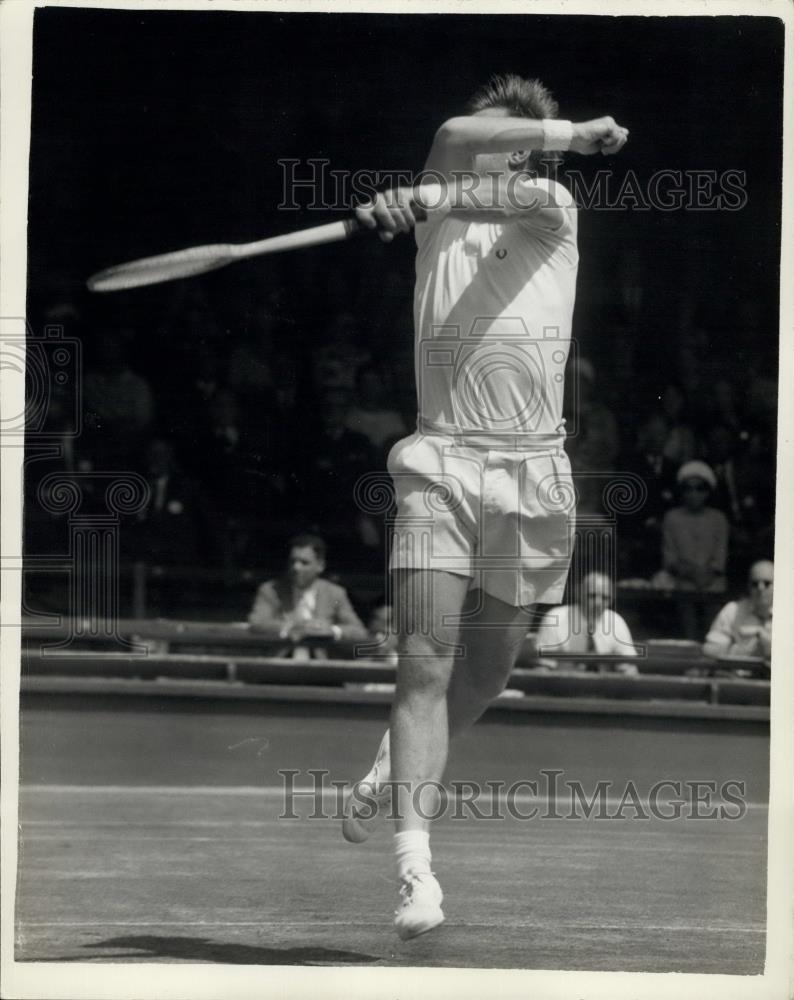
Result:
521,99
305,540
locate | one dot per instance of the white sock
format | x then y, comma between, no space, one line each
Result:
413,852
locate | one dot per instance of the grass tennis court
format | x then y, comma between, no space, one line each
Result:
150,831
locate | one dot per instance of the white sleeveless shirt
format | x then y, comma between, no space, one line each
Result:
493,306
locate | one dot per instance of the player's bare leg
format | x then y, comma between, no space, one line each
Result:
491,639
428,606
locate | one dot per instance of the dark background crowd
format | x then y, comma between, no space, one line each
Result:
254,399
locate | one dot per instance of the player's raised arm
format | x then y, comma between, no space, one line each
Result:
505,134
459,140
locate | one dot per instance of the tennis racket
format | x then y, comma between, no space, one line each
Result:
198,260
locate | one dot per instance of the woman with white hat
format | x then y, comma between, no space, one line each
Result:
694,548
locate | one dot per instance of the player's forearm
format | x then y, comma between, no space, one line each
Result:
479,134
492,197
485,198
485,134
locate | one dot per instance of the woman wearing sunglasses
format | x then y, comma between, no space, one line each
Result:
694,549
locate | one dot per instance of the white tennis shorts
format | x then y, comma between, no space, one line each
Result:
504,519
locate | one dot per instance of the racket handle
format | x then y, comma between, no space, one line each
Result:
331,232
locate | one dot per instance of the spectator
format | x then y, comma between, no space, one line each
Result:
744,627
243,471
250,373
176,528
372,416
694,548
680,444
721,408
594,444
340,357
695,535
301,606
231,459
649,461
185,406
641,530
118,404
689,371
589,626
333,463
287,379
744,471
721,448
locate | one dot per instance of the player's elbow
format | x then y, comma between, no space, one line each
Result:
452,132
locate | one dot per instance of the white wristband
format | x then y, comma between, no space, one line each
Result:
434,199
337,632
557,135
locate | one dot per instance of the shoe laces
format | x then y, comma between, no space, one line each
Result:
409,882
406,894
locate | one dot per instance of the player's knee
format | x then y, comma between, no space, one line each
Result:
424,669
431,646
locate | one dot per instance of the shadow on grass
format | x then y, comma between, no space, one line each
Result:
195,949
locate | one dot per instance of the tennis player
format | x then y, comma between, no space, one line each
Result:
484,522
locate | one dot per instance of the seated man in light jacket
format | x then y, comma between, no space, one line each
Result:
302,606
589,626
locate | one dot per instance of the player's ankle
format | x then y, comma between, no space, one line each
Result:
412,848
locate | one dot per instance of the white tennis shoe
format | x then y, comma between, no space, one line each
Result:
366,804
420,906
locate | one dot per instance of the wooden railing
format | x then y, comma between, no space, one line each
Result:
152,650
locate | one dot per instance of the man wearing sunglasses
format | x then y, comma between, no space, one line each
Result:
744,627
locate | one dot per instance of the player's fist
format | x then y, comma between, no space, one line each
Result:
390,213
602,135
